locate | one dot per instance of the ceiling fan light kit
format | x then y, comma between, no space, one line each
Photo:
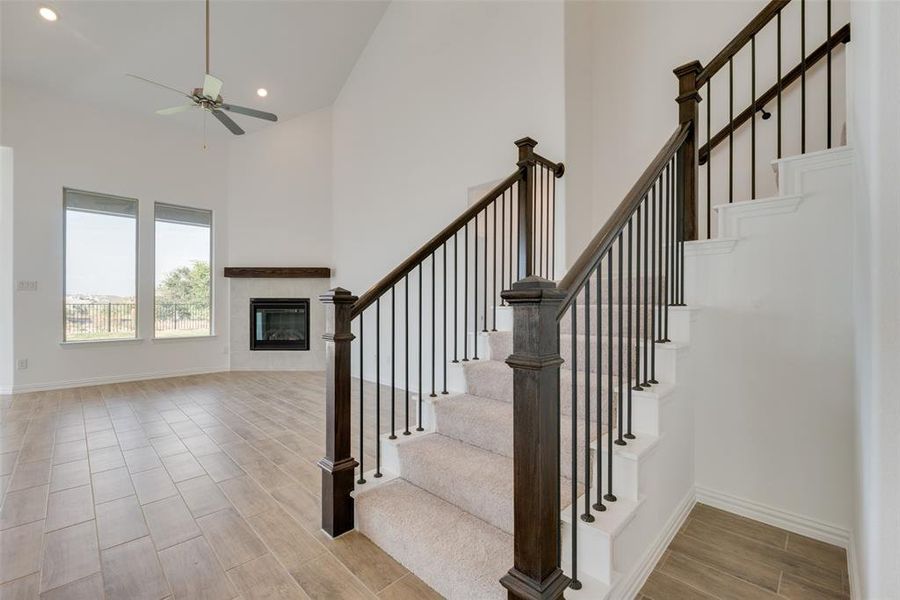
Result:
209,97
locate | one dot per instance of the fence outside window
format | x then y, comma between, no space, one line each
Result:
86,321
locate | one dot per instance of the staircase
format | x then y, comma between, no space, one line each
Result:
533,436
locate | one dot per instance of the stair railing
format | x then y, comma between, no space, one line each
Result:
634,271
434,302
745,46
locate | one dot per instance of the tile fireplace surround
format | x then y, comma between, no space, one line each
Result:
241,289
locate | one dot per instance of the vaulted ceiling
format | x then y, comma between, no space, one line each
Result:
301,51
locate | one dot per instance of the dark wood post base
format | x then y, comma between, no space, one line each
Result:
337,465
535,362
521,587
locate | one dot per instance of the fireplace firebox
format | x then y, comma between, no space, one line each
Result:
279,323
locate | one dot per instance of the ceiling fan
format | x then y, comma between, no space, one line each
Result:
208,97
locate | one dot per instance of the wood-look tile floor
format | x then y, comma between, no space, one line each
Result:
719,555
192,487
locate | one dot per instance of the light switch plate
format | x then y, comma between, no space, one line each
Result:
26,286
22,364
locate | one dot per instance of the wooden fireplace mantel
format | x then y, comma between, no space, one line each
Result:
279,272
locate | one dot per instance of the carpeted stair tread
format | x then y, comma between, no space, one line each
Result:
487,424
501,343
473,479
458,555
637,318
494,379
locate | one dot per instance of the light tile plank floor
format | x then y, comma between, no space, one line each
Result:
191,487
719,555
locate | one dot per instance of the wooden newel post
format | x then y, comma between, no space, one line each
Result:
525,225
536,573
337,466
688,112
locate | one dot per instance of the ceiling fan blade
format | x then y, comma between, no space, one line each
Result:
175,109
162,85
250,112
227,122
211,86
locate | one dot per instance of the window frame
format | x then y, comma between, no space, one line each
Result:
212,278
137,265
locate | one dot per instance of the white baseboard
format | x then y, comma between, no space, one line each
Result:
632,583
90,381
853,570
776,517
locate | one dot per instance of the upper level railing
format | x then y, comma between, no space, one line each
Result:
423,315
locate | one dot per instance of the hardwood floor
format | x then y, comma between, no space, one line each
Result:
192,487
207,487
719,555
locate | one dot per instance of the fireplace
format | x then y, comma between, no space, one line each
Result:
279,323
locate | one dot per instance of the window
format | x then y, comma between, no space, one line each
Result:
100,266
183,267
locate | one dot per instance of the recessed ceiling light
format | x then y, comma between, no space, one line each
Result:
48,13
262,92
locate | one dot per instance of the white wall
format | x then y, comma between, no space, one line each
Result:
59,144
7,356
432,108
874,123
774,337
279,194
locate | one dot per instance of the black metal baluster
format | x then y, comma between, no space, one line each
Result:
681,246
455,296
465,332
475,294
665,276
420,345
708,160
538,221
802,76
494,268
638,330
778,82
587,516
730,130
553,229
503,245
484,323
433,331
406,350
362,456
753,117
609,496
574,584
378,387
444,338
598,309
660,269
828,68
646,329
628,434
619,368
393,435
548,177
653,291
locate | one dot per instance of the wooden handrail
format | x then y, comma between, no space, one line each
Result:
721,59
445,234
584,266
841,36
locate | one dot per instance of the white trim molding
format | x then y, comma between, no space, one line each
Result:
90,381
707,247
824,532
629,586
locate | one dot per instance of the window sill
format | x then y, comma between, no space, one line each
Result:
183,338
74,343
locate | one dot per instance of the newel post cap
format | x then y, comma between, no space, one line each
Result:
693,67
338,295
526,142
533,289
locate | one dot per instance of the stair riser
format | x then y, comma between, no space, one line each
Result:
594,552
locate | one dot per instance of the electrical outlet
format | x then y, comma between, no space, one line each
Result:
22,364
26,286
